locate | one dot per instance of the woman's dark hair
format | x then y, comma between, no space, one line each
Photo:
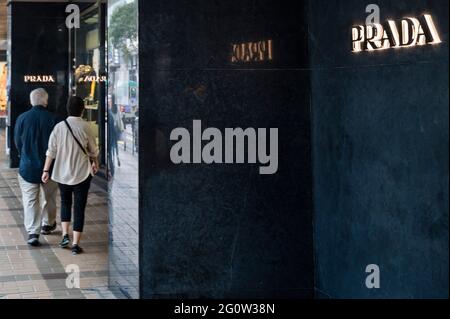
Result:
75,106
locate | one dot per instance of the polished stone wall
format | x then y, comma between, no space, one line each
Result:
224,230
375,125
39,45
380,140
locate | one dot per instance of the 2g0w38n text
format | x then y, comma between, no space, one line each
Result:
246,309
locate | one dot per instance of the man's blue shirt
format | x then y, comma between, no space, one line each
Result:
31,135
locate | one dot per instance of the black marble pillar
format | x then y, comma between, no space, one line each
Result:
224,230
39,46
380,139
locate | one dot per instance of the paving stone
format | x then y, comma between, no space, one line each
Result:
30,273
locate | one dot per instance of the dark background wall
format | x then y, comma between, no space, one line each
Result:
224,230
380,137
38,46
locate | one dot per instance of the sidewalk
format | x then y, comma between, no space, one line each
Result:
27,272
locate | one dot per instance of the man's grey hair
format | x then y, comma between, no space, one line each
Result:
39,97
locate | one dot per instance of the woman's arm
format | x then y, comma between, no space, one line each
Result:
93,150
95,165
46,172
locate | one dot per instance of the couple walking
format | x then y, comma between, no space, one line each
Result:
55,154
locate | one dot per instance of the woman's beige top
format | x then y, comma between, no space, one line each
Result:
72,166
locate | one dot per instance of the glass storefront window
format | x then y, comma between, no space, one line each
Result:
3,91
89,69
122,131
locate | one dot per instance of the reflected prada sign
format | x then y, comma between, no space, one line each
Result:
39,79
408,32
248,52
92,78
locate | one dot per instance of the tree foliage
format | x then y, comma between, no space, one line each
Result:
123,31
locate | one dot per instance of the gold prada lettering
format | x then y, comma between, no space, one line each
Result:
408,32
248,52
93,78
39,79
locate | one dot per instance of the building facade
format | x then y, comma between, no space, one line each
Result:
336,158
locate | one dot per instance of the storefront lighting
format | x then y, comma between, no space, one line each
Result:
409,32
39,79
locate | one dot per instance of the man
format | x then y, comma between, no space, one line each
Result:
31,135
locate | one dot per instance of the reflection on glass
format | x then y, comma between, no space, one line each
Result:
88,75
3,83
122,128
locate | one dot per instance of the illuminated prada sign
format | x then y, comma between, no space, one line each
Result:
39,79
408,32
92,78
247,52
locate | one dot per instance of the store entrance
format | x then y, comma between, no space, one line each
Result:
88,69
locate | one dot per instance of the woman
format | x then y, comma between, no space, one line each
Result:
115,128
73,149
